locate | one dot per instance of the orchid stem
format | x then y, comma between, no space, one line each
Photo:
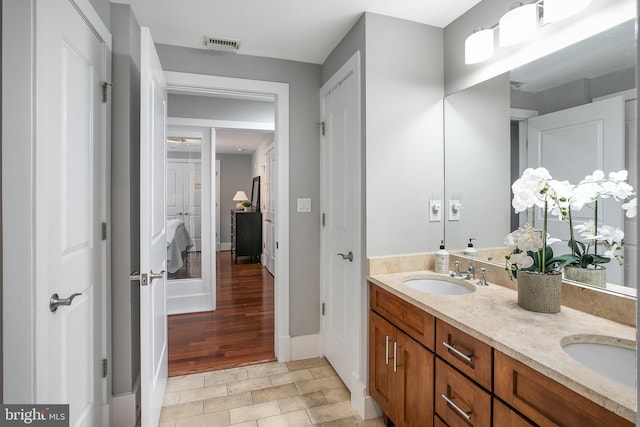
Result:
544,239
571,235
595,228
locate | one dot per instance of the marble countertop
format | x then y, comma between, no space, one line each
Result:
492,315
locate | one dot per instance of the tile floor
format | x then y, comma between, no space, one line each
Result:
299,393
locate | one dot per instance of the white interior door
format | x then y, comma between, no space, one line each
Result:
193,202
341,276
69,194
217,199
571,145
175,208
269,213
153,240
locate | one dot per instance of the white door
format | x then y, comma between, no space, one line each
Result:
340,205
269,213
174,184
217,198
552,142
153,239
69,194
193,202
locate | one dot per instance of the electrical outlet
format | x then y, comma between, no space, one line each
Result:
435,210
454,210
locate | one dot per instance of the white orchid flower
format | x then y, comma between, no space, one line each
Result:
521,260
631,208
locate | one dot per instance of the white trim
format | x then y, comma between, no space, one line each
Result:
306,346
363,403
226,124
627,95
195,303
225,246
522,114
200,83
124,413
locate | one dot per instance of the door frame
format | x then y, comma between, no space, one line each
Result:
217,85
19,141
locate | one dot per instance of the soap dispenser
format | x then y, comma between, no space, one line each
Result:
470,250
442,259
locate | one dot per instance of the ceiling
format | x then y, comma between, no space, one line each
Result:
298,30
239,141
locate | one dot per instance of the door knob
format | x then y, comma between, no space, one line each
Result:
348,256
153,276
56,301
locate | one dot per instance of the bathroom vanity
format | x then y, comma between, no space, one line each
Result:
478,359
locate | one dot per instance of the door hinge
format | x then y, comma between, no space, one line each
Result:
105,91
323,309
105,368
323,219
277,245
104,231
321,124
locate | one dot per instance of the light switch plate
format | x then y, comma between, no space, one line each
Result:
304,205
435,210
454,210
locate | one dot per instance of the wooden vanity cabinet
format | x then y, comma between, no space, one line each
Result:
544,401
400,368
503,416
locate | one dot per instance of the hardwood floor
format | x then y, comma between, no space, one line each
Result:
241,330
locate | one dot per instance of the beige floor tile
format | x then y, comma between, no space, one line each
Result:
292,419
331,412
254,412
171,423
310,400
247,424
322,371
185,382
182,410
291,377
318,384
219,419
355,421
249,385
226,376
376,422
203,393
171,398
335,395
266,369
228,402
316,362
274,393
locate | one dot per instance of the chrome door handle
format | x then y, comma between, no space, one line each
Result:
348,256
56,301
153,276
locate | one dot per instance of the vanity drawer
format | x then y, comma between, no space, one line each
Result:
503,416
545,401
459,401
469,355
416,323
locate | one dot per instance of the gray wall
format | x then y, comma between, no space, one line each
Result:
210,108
404,135
125,198
103,10
235,175
304,167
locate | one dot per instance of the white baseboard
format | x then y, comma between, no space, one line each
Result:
362,402
225,246
283,351
306,346
188,304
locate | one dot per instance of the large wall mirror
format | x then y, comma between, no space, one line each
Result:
490,138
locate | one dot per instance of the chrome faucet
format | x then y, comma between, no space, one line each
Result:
483,280
456,269
471,274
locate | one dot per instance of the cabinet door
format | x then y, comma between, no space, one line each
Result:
414,382
381,339
503,416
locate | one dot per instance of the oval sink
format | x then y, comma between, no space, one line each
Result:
614,358
439,286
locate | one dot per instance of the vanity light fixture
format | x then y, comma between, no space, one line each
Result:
555,10
520,23
478,46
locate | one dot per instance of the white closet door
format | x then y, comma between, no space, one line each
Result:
175,207
192,202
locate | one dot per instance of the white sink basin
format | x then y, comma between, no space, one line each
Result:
615,359
440,286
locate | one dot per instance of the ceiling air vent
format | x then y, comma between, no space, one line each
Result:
221,45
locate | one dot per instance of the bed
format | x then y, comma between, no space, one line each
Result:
178,241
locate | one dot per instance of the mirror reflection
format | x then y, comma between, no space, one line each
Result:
572,112
184,208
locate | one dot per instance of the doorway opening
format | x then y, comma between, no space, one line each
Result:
273,291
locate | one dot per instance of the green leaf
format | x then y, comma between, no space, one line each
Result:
577,247
561,261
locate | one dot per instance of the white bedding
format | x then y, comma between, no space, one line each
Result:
178,241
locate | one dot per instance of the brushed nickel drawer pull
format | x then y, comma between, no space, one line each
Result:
468,358
395,356
465,414
387,350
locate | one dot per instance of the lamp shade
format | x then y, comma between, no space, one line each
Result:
519,24
478,47
240,197
555,10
